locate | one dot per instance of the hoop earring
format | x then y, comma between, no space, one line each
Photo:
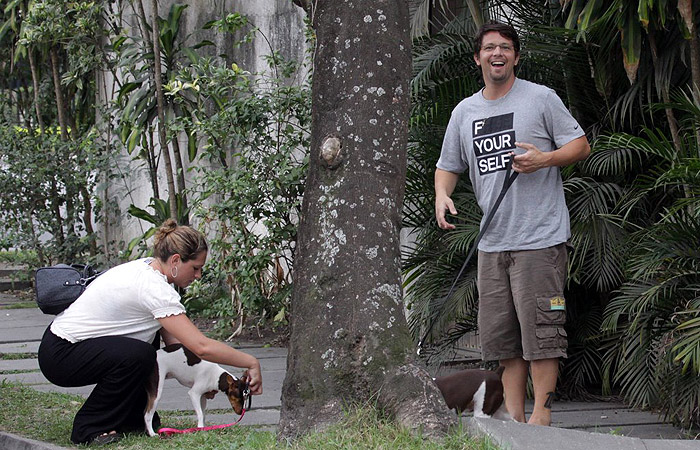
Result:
173,271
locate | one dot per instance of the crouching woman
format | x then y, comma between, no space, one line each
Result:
109,335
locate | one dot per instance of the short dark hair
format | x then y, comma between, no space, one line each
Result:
503,29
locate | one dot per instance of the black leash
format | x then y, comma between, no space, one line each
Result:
507,182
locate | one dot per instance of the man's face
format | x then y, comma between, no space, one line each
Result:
497,58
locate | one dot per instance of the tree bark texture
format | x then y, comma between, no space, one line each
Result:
349,340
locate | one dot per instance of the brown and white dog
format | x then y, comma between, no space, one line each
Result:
203,377
475,389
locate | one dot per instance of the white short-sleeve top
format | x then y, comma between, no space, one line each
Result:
126,300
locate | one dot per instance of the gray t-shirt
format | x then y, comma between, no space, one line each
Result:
480,135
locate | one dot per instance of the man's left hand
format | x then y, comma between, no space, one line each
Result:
533,159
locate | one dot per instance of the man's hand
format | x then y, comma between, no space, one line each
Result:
533,159
442,205
445,183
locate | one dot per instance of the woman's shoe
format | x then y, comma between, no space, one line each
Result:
105,439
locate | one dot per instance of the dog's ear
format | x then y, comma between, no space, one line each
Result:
224,383
233,392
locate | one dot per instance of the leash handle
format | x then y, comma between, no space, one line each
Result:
507,183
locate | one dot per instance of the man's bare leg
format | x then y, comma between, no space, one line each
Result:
544,382
514,385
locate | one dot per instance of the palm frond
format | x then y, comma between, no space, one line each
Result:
687,338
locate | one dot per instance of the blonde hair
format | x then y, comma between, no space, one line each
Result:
172,238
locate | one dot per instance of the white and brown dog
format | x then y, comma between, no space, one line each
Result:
203,377
475,389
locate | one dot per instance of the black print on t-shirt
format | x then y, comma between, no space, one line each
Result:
493,140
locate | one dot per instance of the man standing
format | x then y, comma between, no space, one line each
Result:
522,256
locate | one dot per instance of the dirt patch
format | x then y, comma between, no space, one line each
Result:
251,335
19,298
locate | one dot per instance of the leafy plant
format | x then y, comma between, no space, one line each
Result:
653,318
632,292
161,213
138,106
255,132
40,201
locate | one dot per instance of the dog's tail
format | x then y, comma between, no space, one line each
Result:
500,370
151,385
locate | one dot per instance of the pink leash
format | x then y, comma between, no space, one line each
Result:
167,432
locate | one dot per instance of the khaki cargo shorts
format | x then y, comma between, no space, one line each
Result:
522,310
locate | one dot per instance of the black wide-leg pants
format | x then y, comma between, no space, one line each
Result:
119,366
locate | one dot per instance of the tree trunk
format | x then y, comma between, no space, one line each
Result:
695,66
58,93
685,8
143,24
670,117
180,170
35,83
160,99
87,219
349,339
57,227
152,162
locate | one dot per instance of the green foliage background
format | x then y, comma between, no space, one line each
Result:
633,291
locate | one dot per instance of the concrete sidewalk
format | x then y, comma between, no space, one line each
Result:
21,331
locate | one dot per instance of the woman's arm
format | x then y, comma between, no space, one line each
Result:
181,329
168,338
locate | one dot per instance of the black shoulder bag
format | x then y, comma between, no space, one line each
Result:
60,285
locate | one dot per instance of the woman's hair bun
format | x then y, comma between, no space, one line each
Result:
165,229
171,238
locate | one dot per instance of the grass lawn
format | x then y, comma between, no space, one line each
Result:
48,416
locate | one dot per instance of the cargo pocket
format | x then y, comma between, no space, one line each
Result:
550,320
550,311
551,337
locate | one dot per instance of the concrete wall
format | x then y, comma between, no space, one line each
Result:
280,21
